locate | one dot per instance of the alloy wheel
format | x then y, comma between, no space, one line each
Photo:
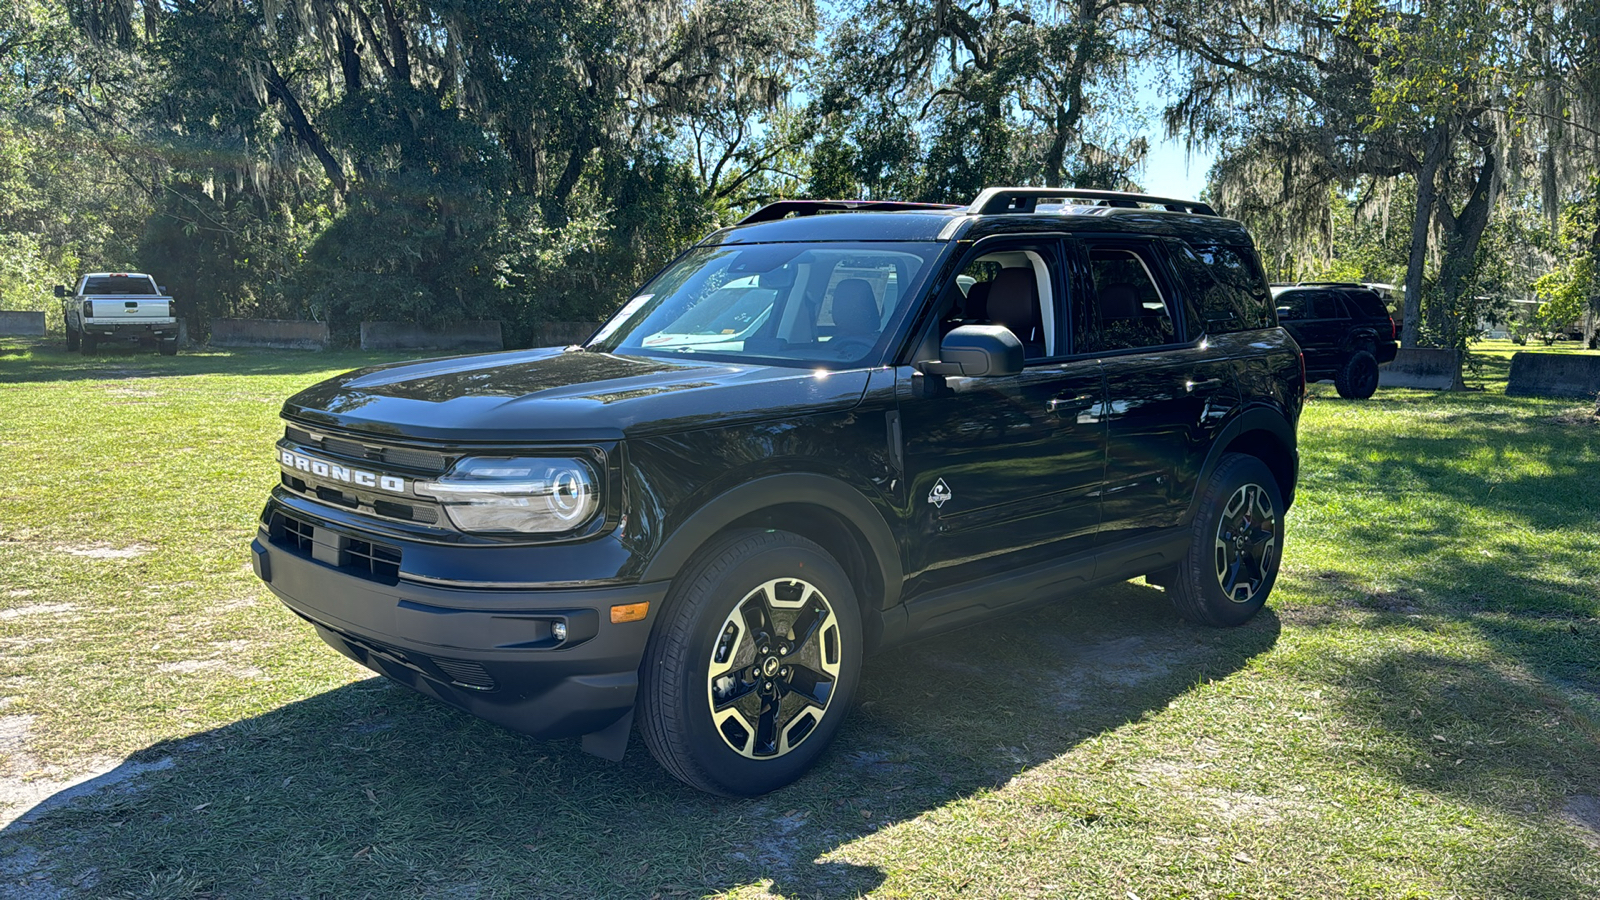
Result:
773,668
1246,543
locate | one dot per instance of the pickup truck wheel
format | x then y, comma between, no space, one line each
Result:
1236,544
72,336
168,347
90,344
753,665
1357,379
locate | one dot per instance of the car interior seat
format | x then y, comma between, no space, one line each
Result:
1014,303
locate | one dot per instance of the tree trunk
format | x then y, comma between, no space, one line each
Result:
300,124
1427,195
1461,247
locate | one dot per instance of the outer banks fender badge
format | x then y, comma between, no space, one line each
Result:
939,494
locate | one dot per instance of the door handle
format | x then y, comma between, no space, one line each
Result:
1209,382
1082,401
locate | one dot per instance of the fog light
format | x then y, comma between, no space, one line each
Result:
558,630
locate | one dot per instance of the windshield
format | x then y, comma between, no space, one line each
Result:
784,304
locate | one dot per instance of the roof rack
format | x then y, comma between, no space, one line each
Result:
1025,199
785,208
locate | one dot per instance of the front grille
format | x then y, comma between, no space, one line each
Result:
361,558
380,562
296,535
465,674
429,461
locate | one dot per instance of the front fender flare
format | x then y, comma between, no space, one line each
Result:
882,549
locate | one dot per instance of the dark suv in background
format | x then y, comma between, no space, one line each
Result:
1345,331
834,427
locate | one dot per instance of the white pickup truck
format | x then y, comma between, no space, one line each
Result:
118,306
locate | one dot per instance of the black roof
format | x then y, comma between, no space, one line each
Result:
857,221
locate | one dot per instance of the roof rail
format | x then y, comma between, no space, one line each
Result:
785,208
1025,199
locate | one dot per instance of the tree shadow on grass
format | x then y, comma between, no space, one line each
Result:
47,361
370,790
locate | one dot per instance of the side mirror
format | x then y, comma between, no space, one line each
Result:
62,292
1283,311
977,351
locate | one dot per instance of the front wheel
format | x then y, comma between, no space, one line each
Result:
1357,379
1235,545
754,664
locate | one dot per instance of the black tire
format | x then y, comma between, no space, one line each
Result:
1235,546
1357,379
168,347
91,343
726,649
72,336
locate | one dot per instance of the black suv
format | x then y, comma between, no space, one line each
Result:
1345,331
834,427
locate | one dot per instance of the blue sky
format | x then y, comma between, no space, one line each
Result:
1169,172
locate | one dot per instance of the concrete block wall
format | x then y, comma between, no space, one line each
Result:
280,334
22,323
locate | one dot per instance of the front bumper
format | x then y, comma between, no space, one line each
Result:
494,653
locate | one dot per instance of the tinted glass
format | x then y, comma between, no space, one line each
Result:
1293,305
1366,303
1131,309
101,285
781,304
1228,285
1327,306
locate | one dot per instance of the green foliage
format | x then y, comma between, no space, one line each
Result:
1571,288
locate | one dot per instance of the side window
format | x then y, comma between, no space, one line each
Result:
1130,307
1328,306
1228,286
1294,305
1015,288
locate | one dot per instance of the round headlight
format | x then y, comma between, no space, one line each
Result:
523,495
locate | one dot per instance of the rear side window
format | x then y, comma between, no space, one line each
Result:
1367,303
1227,285
101,285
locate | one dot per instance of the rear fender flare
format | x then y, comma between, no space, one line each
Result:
1265,420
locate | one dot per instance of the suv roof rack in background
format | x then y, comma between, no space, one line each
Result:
785,208
1025,199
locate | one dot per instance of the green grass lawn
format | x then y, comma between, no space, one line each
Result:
1416,714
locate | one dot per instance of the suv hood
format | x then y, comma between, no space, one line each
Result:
550,394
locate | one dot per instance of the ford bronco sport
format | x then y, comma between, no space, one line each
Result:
834,427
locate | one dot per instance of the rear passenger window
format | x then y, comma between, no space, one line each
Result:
1131,310
1227,285
1328,306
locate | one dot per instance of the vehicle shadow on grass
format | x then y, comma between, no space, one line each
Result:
24,362
370,790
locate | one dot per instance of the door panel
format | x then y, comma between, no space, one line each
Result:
1003,472
1162,410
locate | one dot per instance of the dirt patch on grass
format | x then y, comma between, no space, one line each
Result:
1581,417
37,609
102,550
218,666
1582,811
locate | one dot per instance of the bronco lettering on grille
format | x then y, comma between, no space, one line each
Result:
334,472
